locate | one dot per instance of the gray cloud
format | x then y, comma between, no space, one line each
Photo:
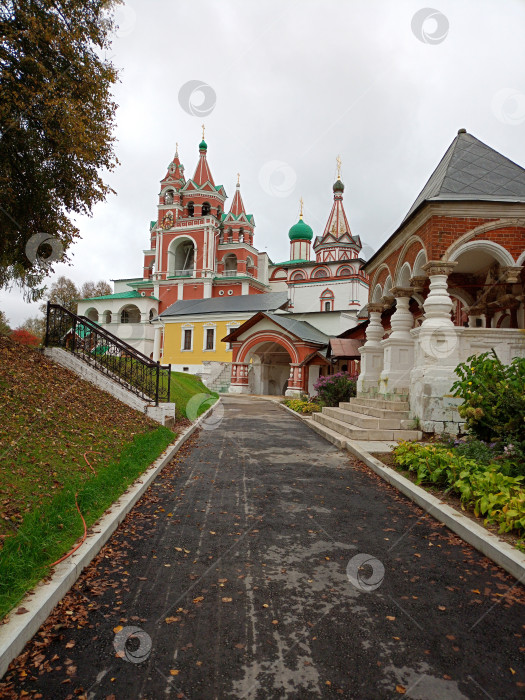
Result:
299,83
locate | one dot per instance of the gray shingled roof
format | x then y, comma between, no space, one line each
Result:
471,170
302,329
236,304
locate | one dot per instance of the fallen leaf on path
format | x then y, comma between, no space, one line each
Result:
401,689
390,617
227,600
169,620
174,672
117,629
22,611
198,599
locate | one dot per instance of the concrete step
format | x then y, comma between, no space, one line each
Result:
355,433
389,405
369,422
374,411
331,435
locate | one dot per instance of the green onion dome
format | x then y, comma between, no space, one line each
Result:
203,146
300,231
338,186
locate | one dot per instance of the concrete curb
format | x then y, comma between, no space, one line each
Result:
501,553
19,629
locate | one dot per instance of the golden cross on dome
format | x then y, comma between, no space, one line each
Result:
238,178
301,213
338,161
203,127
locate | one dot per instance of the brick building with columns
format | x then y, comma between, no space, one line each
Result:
451,279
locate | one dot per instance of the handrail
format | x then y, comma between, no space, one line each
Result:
108,353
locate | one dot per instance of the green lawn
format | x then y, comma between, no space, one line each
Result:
190,395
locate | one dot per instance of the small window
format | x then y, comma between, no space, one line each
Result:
328,306
124,317
206,208
187,339
210,338
151,314
185,369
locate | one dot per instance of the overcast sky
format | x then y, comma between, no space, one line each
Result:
292,84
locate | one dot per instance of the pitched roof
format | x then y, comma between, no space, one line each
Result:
236,304
471,170
202,171
302,329
237,206
345,347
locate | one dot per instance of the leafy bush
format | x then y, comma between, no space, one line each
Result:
335,388
494,401
25,338
304,406
498,497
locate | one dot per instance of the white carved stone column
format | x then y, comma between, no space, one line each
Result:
239,378
156,343
295,381
437,344
398,347
371,353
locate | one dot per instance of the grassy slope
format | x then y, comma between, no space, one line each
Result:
49,418
190,395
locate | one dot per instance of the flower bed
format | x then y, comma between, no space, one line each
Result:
481,487
304,406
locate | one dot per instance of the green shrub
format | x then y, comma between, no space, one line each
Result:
304,406
335,388
494,402
489,492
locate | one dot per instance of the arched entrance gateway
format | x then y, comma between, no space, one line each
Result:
271,354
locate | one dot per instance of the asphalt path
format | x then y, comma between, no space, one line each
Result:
265,563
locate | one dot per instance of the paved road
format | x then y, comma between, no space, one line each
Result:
240,569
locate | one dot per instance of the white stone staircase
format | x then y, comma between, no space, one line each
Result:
367,419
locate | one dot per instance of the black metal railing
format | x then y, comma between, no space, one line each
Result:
107,353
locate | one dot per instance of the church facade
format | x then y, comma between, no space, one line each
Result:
203,278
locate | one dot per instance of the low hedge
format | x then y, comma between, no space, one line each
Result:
496,496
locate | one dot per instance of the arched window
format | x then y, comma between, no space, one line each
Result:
181,257
106,317
191,208
241,235
230,236
327,300
206,208
344,271
230,264
151,314
321,272
168,197
298,276
92,314
130,314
